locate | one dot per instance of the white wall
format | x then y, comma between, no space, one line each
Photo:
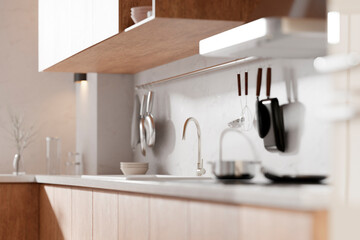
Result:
86,122
46,99
103,106
345,208
212,99
115,101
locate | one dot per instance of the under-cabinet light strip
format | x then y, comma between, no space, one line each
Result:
244,33
201,70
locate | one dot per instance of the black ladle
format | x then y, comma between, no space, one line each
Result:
263,117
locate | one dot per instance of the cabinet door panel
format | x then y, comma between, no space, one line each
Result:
81,34
105,215
62,209
168,219
105,22
55,212
67,27
81,214
48,223
214,221
134,222
264,224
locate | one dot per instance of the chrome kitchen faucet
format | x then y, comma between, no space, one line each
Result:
200,170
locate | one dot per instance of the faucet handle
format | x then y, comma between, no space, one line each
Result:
200,171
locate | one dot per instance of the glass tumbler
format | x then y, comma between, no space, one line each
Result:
74,164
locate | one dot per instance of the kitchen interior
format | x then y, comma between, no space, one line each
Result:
179,119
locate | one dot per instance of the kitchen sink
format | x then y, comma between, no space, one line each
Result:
143,177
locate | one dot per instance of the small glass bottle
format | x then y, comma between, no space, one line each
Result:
53,155
74,164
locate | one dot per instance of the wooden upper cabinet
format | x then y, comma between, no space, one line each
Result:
90,35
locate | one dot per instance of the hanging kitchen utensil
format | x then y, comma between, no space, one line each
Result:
274,140
135,135
247,115
237,123
142,126
293,112
262,114
149,121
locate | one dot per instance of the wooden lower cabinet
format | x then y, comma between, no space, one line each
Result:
214,221
260,224
65,213
19,211
169,219
82,213
55,212
62,210
134,217
48,223
105,215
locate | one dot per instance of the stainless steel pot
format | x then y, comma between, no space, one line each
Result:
237,169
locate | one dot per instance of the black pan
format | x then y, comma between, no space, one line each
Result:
263,117
293,179
275,138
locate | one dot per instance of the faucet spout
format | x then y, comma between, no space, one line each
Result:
200,170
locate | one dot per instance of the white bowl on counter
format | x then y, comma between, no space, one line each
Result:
134,168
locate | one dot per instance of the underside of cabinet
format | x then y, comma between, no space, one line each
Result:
172,32
154,43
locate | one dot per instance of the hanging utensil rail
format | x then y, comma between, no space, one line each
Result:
202,70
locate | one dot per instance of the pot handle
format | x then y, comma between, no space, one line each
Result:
239,84
268,82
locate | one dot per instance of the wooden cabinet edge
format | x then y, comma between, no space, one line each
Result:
19,211
320,227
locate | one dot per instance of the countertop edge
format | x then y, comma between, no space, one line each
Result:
291,197
303,198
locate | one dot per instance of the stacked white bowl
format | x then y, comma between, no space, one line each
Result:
134,168
140,13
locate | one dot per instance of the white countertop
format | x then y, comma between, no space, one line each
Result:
298,197
10,178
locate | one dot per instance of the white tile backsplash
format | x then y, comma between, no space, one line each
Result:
212,99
